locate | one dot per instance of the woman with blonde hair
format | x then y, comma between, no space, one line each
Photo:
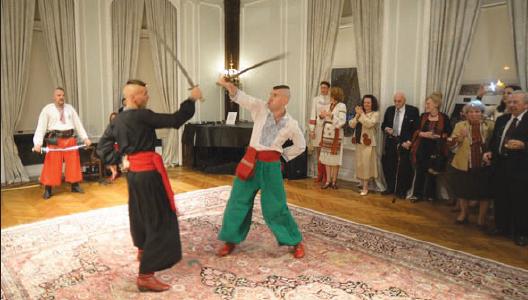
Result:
332,139
429,149
366,123
468,177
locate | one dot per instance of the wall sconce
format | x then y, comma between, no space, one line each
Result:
231,73
494,85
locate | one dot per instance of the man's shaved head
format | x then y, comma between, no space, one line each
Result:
135,93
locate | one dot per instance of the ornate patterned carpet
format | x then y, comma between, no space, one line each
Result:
90,256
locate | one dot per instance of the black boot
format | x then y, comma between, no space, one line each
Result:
76,188
47,192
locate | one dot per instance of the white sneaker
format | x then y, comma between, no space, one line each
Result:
363,193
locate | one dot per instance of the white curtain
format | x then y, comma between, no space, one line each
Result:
518,10
127,18
452,29
323,25
58,26
367,19
162,20
16,36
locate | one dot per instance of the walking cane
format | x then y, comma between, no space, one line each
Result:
397,174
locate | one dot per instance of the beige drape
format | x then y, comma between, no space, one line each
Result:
162,24
452,28
127,17
58,26
518,10
16,36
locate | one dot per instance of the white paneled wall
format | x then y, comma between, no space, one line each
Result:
267,28
211,59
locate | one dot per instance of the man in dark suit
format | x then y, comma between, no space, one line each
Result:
509,157
399,123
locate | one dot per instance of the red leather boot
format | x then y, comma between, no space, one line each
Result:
226,249
298,251
149,283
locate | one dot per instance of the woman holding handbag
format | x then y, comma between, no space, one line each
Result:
366,123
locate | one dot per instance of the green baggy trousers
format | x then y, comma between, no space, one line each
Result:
237,215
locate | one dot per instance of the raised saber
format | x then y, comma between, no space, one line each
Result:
178,63
274,58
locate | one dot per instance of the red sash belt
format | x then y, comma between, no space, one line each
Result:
246,167
152,161
268,156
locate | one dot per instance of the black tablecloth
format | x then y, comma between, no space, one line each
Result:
217,135
217,148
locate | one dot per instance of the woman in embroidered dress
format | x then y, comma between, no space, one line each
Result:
366,123
332,139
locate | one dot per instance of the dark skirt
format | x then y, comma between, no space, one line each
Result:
153,225
471,185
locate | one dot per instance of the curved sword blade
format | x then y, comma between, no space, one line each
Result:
272,59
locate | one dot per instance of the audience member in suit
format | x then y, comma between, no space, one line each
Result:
429,149
366,123
469,179
399,123
509,157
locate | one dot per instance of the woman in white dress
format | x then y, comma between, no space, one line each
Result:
332,139
366,123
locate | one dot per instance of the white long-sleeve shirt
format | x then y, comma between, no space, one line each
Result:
268,134
319,104
49,119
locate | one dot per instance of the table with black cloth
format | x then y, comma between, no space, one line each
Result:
214,147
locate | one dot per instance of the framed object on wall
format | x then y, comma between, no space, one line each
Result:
346,78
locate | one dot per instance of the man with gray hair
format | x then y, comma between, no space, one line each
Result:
509,156
260,169
399,123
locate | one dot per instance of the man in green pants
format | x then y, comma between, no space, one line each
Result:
260,169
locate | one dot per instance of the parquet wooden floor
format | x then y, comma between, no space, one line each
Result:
424,221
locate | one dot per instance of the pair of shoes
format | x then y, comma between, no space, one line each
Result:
139,254
462,222
363,193
298,251
149,283
326,185
415,199
226,249
521,240
387,192
76,188
334,186
47,192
